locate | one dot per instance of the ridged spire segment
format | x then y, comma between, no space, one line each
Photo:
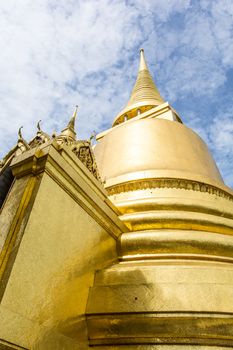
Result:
144,96
144,88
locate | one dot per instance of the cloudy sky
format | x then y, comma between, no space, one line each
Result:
59,53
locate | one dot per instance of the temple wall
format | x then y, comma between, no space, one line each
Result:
67,236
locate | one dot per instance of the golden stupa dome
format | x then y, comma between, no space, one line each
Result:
154,148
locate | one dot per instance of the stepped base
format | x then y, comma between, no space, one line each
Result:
166,302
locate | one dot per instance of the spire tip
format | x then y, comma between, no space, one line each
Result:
142,64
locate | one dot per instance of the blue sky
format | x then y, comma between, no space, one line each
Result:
56,54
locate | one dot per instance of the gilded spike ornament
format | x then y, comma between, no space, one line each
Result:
40,138
71,123
69,132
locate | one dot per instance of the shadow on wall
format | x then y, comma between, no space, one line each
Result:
63,315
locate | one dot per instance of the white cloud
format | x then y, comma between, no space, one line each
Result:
47,47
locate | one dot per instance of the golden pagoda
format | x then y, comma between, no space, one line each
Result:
126,244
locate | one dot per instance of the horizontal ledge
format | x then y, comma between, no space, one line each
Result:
174,330
182,203
187,244
175,313
162,341
183,220
149,179
199,257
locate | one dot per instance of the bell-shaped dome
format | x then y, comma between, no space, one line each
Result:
154,148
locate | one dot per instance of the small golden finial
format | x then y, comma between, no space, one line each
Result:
73,118
20,132
38,125
69,132
22,144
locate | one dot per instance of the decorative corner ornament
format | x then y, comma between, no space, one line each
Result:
82,149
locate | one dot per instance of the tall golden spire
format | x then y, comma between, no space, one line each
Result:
144,96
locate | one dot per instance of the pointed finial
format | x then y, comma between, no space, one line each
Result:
142,64
71,123
22,144
69,133
38,125
20,132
